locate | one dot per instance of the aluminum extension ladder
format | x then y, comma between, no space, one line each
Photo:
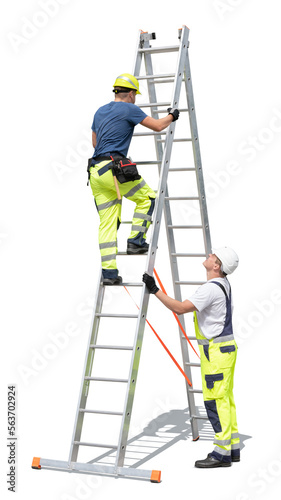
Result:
182,76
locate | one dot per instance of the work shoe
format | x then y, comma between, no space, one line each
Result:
211,462
112,281
133,249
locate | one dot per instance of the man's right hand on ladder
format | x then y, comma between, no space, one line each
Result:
174,112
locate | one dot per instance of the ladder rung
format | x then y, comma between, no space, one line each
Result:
83,443
181,110
190,338
198,417
190,282
101,412
188,254
196,391
184,227
183,139
108,315
176,140
168,80
154,104
159,50
118,347
192,364
132,284
102,379
128,222
148,162
139,254
152,77
182,198
148,134
182,169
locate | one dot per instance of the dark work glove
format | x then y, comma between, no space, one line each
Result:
150,283
174,112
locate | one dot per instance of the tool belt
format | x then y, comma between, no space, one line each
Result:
123,168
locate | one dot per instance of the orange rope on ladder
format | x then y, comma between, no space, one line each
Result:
176,316
162,343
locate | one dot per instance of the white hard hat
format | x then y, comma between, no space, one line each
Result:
228,258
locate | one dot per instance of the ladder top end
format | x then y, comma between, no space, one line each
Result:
155,476
145,36
36,463
180,30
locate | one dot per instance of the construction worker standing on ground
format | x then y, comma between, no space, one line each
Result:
112,131
212,307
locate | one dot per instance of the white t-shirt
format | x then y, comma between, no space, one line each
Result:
210,302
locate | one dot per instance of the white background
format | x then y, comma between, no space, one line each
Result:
58,65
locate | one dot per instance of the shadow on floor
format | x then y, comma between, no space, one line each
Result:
160,434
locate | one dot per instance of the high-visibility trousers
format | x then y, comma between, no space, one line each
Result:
109,209
217,371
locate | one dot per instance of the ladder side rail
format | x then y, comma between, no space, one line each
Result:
132,379
183,342
120,456
143,41
138,56
167,210
172,248
197,157
167,207
79,418
152,93
170,233
171,240
150,85
155,112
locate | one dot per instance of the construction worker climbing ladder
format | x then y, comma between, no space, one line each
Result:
212,307
112,131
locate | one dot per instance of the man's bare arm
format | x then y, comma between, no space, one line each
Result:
157,125
175,305
94,139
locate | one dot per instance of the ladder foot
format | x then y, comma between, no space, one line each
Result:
155,476
196,439
36,463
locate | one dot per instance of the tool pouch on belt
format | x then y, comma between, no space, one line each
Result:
125,170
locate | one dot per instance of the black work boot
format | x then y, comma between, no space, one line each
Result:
210,463
112,281
133,249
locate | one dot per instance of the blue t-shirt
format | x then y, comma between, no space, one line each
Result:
114,125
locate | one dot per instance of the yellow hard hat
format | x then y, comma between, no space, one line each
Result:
128,81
